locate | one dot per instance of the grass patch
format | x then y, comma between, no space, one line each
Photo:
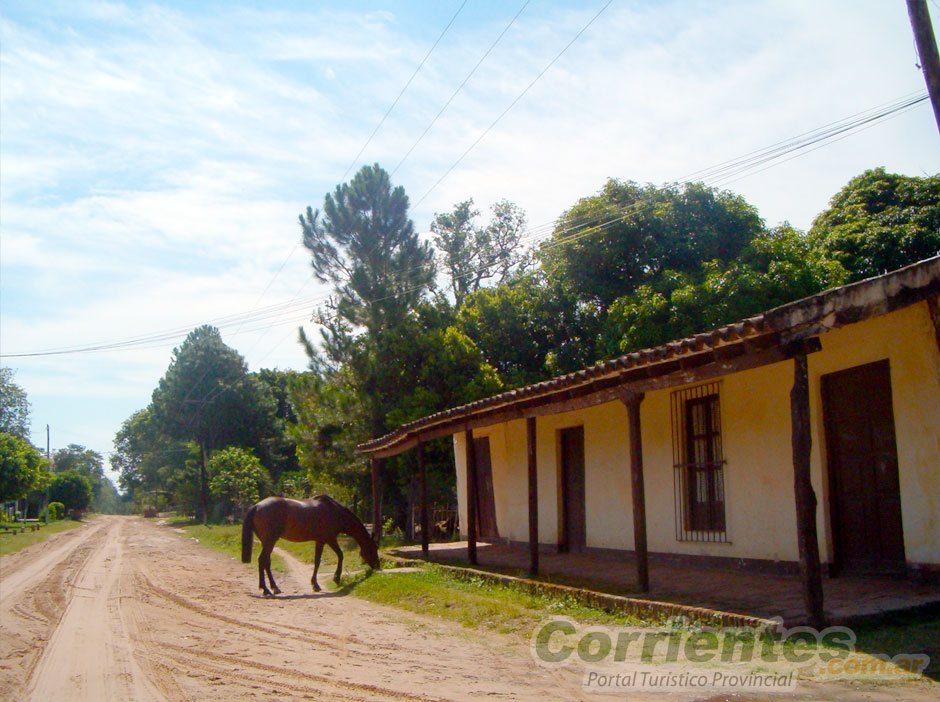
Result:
907,632
305,551
476,602
11,543
473,601
226,538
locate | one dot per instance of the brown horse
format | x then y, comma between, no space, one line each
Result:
319,519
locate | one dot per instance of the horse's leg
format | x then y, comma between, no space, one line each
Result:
267,567
316,566
261,584
339,561
264,564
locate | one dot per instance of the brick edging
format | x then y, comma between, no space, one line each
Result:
648,609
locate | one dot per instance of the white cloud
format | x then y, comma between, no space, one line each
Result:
154,161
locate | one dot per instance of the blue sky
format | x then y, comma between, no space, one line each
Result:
154,157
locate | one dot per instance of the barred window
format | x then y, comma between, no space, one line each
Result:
698,464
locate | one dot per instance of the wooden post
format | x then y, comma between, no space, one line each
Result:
927,51
376,502
533,498
471,497
423,486
805,496
637,489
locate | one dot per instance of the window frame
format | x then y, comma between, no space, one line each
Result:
699,465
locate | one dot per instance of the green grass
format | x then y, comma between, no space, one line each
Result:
473,602
11,543
226,538
912,632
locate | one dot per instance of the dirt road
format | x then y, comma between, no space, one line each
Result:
126,609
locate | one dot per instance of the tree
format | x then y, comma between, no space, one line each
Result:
207,396
238,478
84,460
21,467
143,454
330,422
366,246
530,329
880,222
76,457
775,268
627,235
471,254
14,406
275,449
72,489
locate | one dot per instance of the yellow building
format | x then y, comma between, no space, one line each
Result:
805,438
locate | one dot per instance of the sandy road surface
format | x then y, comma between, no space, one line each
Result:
125,609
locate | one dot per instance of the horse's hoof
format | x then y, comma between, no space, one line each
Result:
267,593
277,590
316,588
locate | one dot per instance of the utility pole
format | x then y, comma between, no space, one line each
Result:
927,51
49,460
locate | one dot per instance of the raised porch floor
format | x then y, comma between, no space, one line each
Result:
846,598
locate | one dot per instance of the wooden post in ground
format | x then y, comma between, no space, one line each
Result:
533,497
376,502
927,51
637,489
471,497
423,480
805,495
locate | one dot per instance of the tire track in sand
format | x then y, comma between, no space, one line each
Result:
90,655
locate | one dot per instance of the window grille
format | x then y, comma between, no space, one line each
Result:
698,464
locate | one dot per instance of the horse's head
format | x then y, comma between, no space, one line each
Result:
369,552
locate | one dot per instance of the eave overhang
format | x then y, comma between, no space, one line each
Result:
770,337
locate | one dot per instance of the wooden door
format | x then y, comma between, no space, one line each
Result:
865,498
486,504
573,531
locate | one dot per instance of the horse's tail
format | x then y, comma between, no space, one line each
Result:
248,535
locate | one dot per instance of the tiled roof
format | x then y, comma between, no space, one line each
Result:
796,320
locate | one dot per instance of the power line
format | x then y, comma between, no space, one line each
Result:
740,167
395,102
514,102
460,87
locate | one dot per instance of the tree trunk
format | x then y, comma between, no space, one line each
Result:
204,483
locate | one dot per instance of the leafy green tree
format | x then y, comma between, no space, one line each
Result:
294,484
143,454
21,467
775,268
441,366
530,329
627,235
207,396
14,406
72,489
77,457
366,247
331,421
238,478
275,449
470,254
880,222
